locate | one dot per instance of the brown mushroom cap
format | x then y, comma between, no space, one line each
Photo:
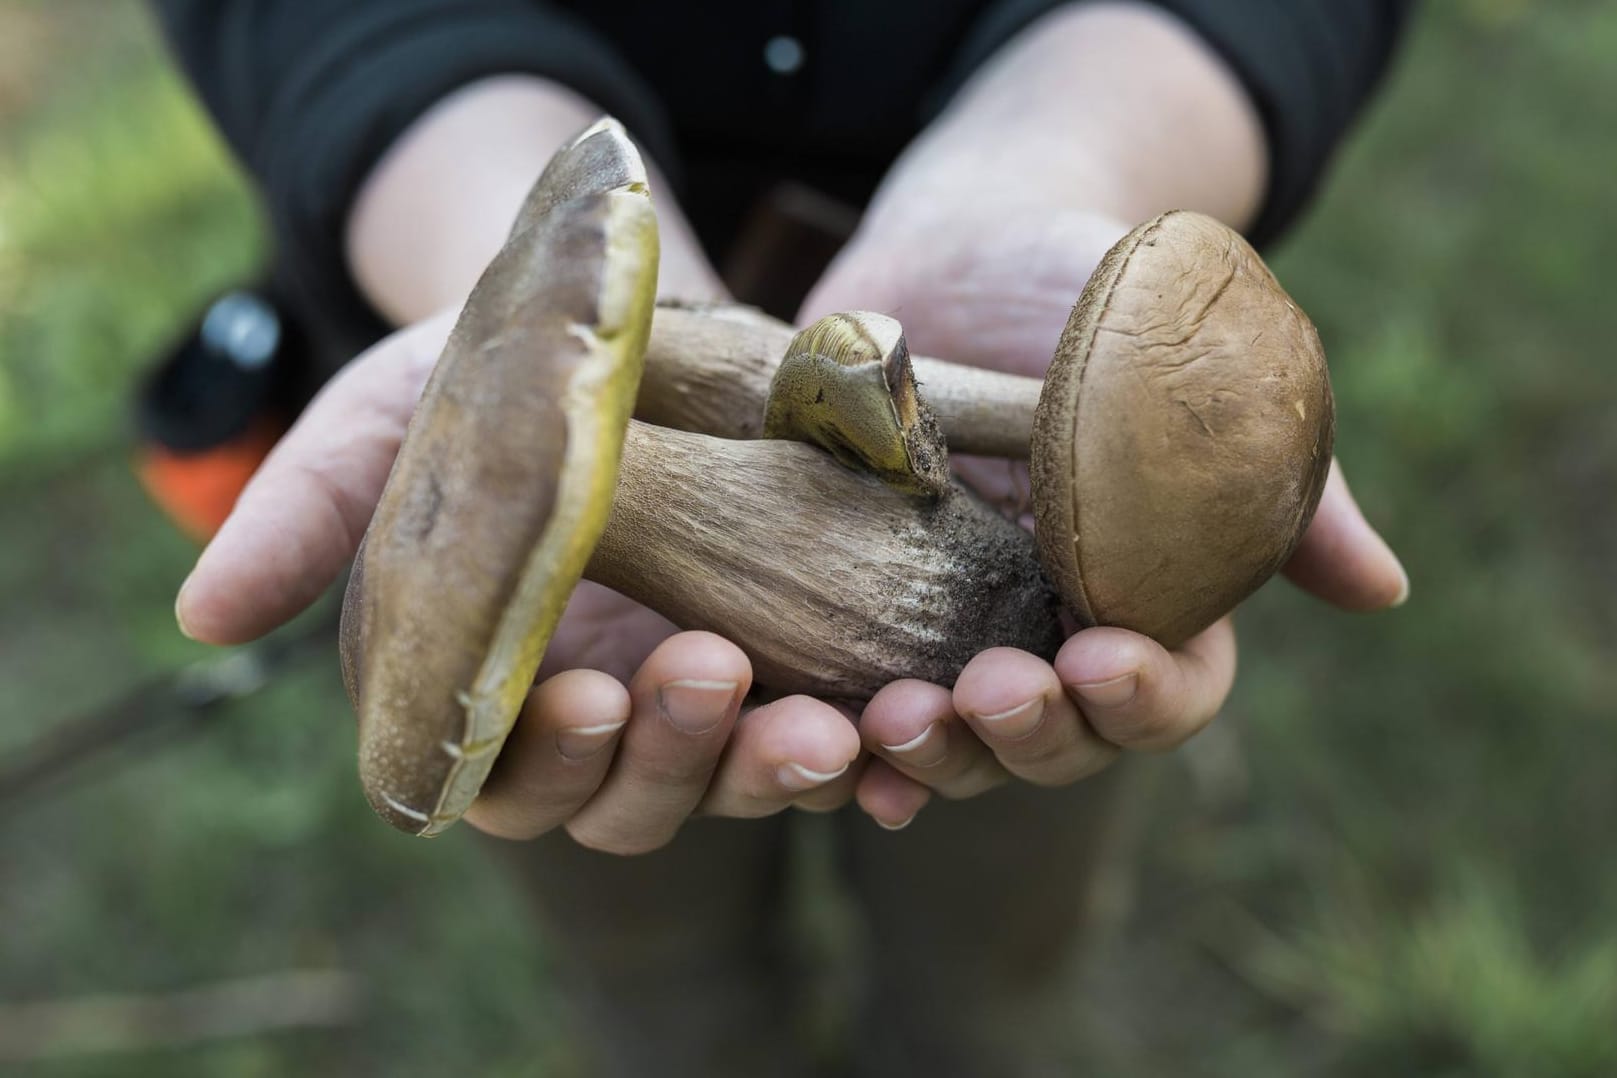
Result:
478,541
1183,436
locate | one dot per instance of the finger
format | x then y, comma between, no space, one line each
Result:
1342,559
1018,708
913,726
1137,694
778,753
890,797
840,790
685,699
556,756
298,523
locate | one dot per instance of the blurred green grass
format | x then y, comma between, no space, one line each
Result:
119,210
1392,854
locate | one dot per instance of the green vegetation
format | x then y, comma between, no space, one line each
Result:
1391,855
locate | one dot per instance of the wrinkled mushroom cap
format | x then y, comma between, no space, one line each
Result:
502,486
1184,433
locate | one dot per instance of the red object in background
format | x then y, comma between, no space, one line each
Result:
214,407
197,490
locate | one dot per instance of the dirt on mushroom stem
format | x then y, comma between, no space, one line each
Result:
836,587
1006,587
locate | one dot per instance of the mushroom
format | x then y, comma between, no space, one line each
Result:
502,497
1183,437
1187,412
1187,416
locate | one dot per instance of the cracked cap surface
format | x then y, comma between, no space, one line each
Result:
1184,434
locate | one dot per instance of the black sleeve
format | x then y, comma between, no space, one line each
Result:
1309,65
310,93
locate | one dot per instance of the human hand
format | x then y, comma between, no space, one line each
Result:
995,288
631,727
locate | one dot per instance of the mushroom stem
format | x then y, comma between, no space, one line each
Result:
832,581
709,369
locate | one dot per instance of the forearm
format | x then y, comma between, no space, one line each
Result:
1115,108
438,205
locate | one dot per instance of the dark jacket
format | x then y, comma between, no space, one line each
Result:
310,93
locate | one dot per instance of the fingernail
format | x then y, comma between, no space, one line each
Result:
582,742
1403,588
696,707
905,822
179,615
925,749
798,777
1017,722
1113,692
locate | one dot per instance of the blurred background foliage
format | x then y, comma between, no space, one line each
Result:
1392,855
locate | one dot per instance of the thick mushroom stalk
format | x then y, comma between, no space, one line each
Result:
833,581
503,492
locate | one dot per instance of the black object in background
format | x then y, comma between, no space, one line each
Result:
246,358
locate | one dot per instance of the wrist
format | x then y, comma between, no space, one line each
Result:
1115,108
935,251
440,202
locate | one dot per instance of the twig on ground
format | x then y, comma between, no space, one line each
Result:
295,999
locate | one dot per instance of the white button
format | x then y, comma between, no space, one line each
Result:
243,328
783,54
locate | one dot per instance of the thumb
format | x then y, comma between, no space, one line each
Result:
298,523
1342,559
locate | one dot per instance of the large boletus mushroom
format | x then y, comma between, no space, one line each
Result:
1179,447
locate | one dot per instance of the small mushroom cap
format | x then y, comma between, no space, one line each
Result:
846,384
502,486
1183,436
